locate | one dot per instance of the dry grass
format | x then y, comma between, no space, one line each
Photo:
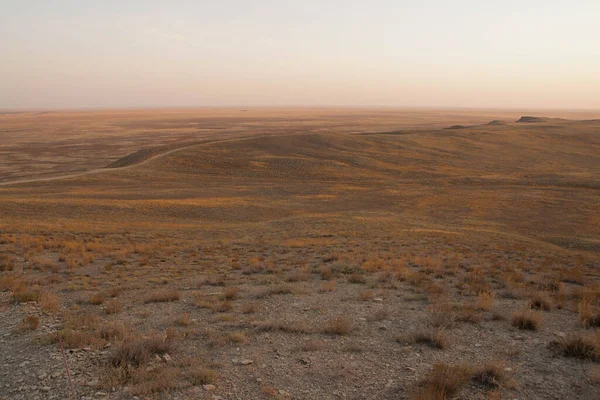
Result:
485,300
528,320
357,278
137,351
379,315
366,295
29,323
589,316
441,315
49,302
184,320
77,339
231,293
490,375
113,306
96,299
435,338
541,301
201,375
162,296
338,326
583,346
443,382
249,308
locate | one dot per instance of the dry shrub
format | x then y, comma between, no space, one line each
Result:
297,276
443,381
338,326
162,296
155,381
112,332
29,323
327,286
201,375
77,339
527,319
7,263
357,278
137,351
589,316
435,338
541,301
236,338
485,300
581,346
366,295
49,302
378,315
23,294
96,299
468,313
222,306
271,326
231,293
184,320
326,273
249,308
114,292
491,374
8,281
274,290
441,315
113,306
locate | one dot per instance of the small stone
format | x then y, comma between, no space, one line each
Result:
101,394
43,375
209,387
45,388
167,358
246,362
560,334
508,369
378,299
259,380
55,375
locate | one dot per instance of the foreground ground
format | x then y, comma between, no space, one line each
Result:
404,262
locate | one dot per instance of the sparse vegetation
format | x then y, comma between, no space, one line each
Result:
162,296
246,260
338,326
529,320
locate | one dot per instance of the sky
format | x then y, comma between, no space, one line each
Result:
395,53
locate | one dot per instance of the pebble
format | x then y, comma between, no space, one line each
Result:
209,387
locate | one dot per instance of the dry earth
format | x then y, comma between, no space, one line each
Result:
303,254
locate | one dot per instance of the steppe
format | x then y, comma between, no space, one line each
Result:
300,254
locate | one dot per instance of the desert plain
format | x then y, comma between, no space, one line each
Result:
300,254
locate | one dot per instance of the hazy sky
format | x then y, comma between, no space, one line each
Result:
460,53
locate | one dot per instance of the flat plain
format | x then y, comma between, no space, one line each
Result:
300,253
